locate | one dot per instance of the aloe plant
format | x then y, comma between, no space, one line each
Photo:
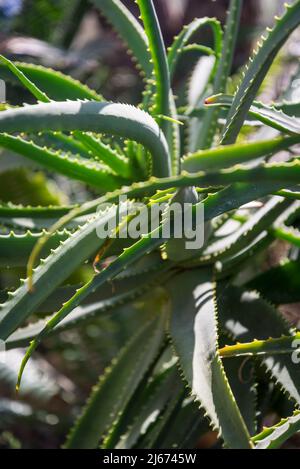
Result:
212,313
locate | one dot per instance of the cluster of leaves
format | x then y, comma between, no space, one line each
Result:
28,19
176,377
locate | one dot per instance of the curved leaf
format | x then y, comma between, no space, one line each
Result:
159,57
274,437
79,168
246,317
257,69
209,126
16,248
283,345
269,115
280,285
194,335
224,157
56,85
117,119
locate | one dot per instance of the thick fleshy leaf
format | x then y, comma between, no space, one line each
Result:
269,115
52,271
257,69
156,398
210,122
242,382
115,388
55,84
246,317
274,437
226,156
280,285
129,29
195,338
185,427
92,116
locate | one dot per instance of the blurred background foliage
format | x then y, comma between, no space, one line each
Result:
71,36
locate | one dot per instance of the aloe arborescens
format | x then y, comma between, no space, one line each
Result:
185,362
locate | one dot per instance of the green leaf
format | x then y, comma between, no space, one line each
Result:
160,427
106,154
116,119
280,285
10,210
272,346
277,175
130,30
148,243
52,271
209,126
236,195
242,382
269,115
115,388
255,227
291,235
74,166
55,85
291,108
37,389
159,57
86,144
149,408
246,317
180,43
162,96
185,427
106,299
15,249
257,69
273,175
226,156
